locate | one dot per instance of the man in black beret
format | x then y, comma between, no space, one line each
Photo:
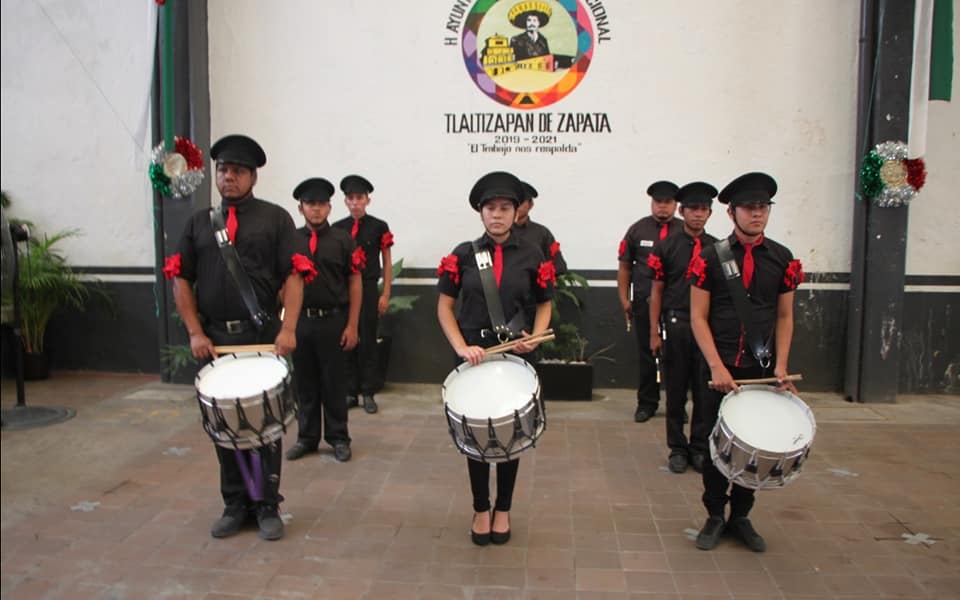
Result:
212,308
633,271
669,262
374,240
769,275
328,326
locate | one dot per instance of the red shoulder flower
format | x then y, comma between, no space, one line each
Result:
386,240
655,264
623,249
554,249
697,268
546,274
171,267
358,260
450,264
304,266
793,275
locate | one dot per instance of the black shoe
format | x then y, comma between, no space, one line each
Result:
230,523
369,404
352,402
341,452
499,537
480,539
696,461
269,522
299,450
709,536
743,530
643,414
678,462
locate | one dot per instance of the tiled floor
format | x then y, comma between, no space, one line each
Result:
117,503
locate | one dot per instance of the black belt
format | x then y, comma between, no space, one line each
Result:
232,327
319,313
679,315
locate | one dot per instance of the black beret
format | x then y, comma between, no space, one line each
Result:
697,193
238,150
529,192
662,190
498,184
315,189
354,184
749,189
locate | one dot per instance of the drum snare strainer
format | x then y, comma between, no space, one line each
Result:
762,437
494,410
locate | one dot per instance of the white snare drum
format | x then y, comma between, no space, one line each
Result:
762,437
246,399
494,411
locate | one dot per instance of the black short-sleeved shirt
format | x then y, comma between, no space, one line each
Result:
669,262
527,279
372,236
542,238
264,243
775,273
637,244
330,288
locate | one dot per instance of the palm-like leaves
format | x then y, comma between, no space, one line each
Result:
47,283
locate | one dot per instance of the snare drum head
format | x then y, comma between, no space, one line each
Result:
767,419
496,387
241,376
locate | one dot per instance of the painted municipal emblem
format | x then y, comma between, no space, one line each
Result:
527,54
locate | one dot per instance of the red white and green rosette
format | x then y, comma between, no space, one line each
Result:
179,172
890,179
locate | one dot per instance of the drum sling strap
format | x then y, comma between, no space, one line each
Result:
240,277
759,347
503,330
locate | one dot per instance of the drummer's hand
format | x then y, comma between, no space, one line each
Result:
348,339
201,347
782,385
472,354
285,343
627,309
656,344
523,345
722,380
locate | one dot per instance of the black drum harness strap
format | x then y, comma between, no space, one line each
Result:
240,277
759,347
501,329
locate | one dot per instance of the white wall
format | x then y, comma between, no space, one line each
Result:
693,90
75,85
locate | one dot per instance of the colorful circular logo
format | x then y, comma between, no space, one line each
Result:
528,53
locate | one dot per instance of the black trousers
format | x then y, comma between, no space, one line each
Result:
318,365
648,390
232,485
683,369
361,366
480,484
715,483
480,471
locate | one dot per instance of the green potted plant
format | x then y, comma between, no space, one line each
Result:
398,304
47,284
566,368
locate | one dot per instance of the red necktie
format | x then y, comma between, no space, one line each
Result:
355,228
748,261
313,242
663,231
232,223
497,263
696,248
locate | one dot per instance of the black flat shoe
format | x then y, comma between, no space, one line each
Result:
480,539
709,536
499,537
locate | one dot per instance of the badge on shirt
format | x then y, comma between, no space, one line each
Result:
646,243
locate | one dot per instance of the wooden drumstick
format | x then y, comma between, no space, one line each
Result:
797,377
545,336
247,348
